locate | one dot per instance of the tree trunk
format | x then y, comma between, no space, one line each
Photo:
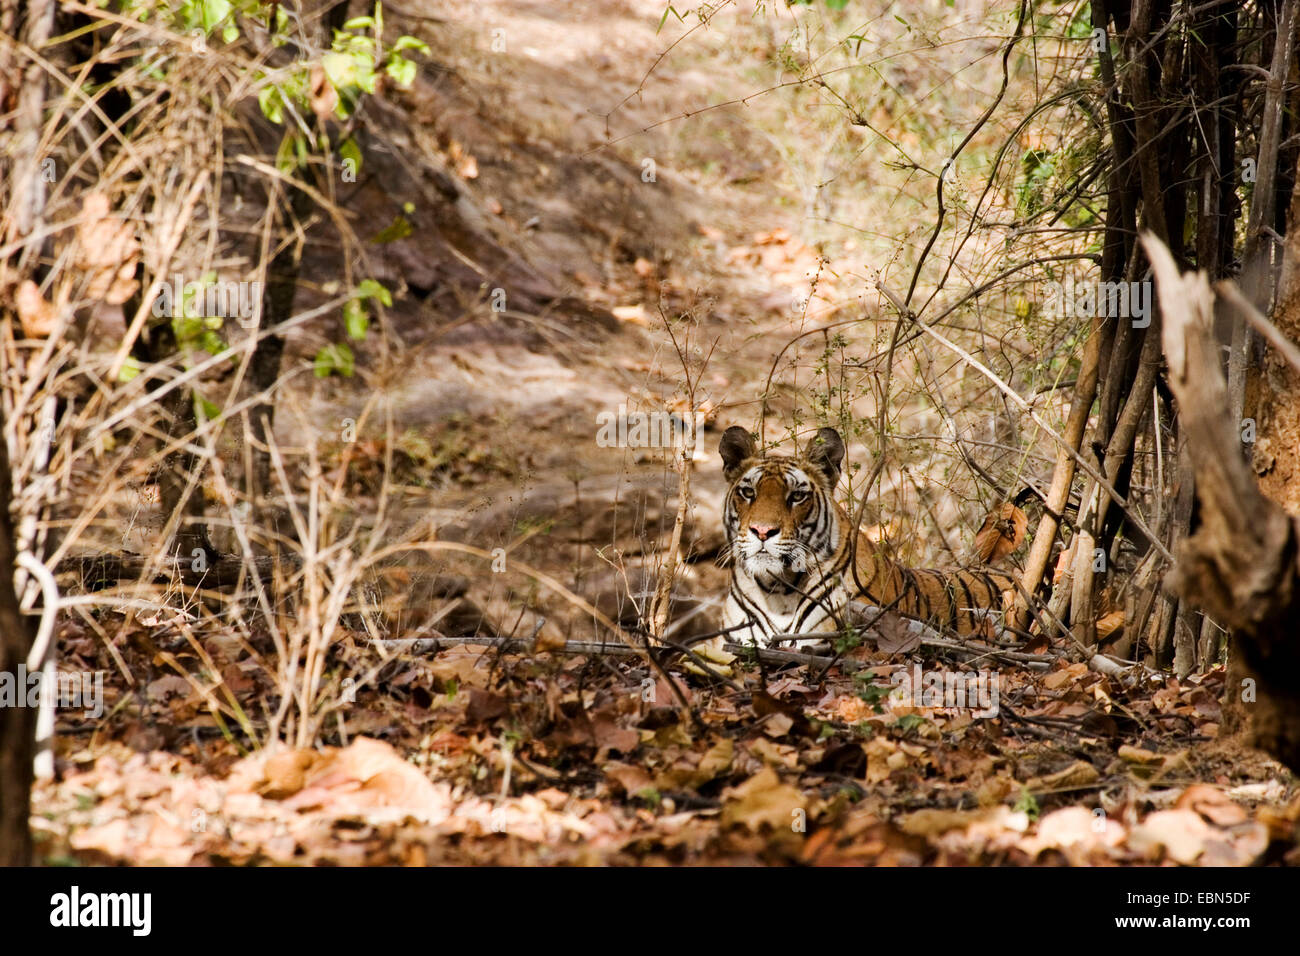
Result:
17,724
1241,564
22,196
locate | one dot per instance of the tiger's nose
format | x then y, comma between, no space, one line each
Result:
763,531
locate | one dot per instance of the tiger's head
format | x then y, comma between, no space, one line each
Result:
780,514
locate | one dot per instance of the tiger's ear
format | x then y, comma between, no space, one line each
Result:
737,447
826,451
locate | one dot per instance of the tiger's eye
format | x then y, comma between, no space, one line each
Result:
745,492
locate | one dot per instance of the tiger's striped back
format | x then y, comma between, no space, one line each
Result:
957,600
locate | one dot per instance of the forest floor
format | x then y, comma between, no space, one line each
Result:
470,755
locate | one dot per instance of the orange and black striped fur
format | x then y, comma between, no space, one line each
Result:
795,566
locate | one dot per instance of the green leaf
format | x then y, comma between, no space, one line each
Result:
410,43
372,288
186,328
400,228
131,369
355,319
359,23
204,409
347,104
213,12
230,33
1027,804
349,69
335,358
212,343
401,70
272,106
349,150
286,157
664,18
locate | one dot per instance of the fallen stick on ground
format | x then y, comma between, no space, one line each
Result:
422,645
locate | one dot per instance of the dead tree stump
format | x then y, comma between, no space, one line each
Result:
1240,566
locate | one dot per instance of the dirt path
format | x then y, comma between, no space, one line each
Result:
562,132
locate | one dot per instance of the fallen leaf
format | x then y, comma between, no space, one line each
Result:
850,708
778,755
324,98
762,800
630,778
995,789
385,776
1182,833
1213,804
1078,774
879,750
777,725
635,314
39,318
1063,562
610,736
168,685
466,164
549,638
895,635
1108,624
1073,827
1002,532
463,664
285,773
111,838
484,706
1130,754
715,762
1243,845
107,251
765,704
932,822
1066,675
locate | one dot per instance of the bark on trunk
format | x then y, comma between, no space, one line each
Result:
17,724
1240,566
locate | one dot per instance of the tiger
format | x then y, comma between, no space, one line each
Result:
796,567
